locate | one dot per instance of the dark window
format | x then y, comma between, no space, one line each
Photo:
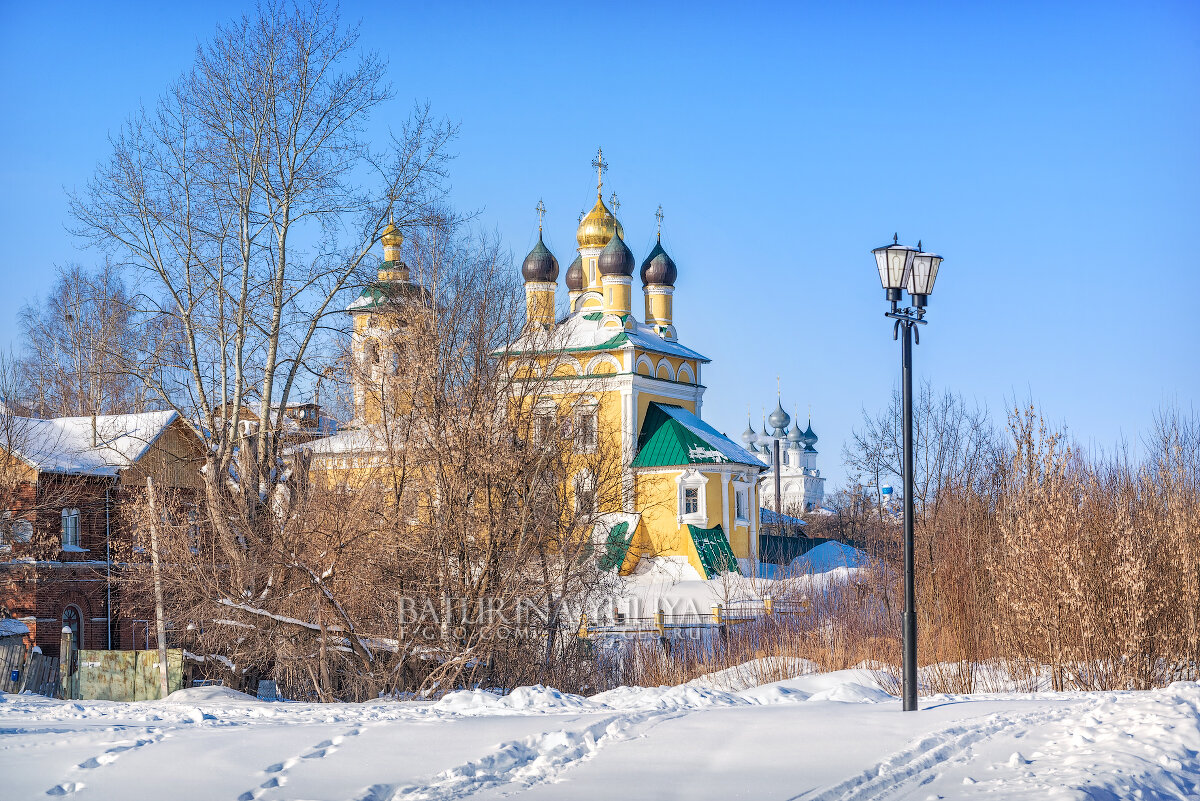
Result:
71,619
70,528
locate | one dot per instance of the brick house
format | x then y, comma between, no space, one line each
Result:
65,488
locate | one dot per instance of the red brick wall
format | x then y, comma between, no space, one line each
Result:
46,580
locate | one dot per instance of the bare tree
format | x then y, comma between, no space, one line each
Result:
451,539
84,346
955,445
248,199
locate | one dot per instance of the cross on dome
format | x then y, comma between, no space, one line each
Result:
541,212
601,165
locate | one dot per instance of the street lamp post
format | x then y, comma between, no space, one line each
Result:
901,268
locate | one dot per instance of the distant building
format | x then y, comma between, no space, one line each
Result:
802,489
62,481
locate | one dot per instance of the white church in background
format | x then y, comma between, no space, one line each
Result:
802,489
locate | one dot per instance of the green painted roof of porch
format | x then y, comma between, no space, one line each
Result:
671,436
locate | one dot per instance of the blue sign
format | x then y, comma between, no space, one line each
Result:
16,674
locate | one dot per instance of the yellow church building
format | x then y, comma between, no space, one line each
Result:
632,390
690,492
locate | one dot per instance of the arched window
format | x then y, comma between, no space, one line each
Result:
73,620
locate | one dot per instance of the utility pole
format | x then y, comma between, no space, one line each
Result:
159,623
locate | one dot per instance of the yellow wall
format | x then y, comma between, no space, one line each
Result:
645,398
661,534
659,308
539,303
618,296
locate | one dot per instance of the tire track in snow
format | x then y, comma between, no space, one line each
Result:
277,774
922,759
533,760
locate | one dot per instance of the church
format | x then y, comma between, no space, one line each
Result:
801,486
630,389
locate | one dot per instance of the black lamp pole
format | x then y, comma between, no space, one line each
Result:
910,599
900,268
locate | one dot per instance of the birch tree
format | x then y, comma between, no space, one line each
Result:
249,199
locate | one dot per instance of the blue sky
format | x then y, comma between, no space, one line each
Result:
1051,155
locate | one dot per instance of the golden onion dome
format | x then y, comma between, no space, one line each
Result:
392,238
597,228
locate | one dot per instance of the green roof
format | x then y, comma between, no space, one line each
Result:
615,547
671,435
385,293
715,554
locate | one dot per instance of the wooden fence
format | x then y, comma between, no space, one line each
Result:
27,669
668,626
90,675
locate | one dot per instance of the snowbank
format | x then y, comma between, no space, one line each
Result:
820,736
209,695
828,556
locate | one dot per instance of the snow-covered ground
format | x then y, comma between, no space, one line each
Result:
819,736
732,734
670,584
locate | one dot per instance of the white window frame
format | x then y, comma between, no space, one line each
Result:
591,413
691,480
585,487
545,422
741,503
70,529
743,487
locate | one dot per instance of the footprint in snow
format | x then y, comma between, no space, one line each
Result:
111,754
280,769
66,788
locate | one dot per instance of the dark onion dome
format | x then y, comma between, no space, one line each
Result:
575,275
540,264
779,419
659,268
616,258
810,438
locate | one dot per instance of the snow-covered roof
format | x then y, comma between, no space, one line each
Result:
12,628
364,439
671,435
99,446
769,517
585,331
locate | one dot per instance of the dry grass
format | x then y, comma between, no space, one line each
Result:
1045,564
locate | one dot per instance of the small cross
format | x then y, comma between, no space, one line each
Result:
616,204
601,165
541,212
658,215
